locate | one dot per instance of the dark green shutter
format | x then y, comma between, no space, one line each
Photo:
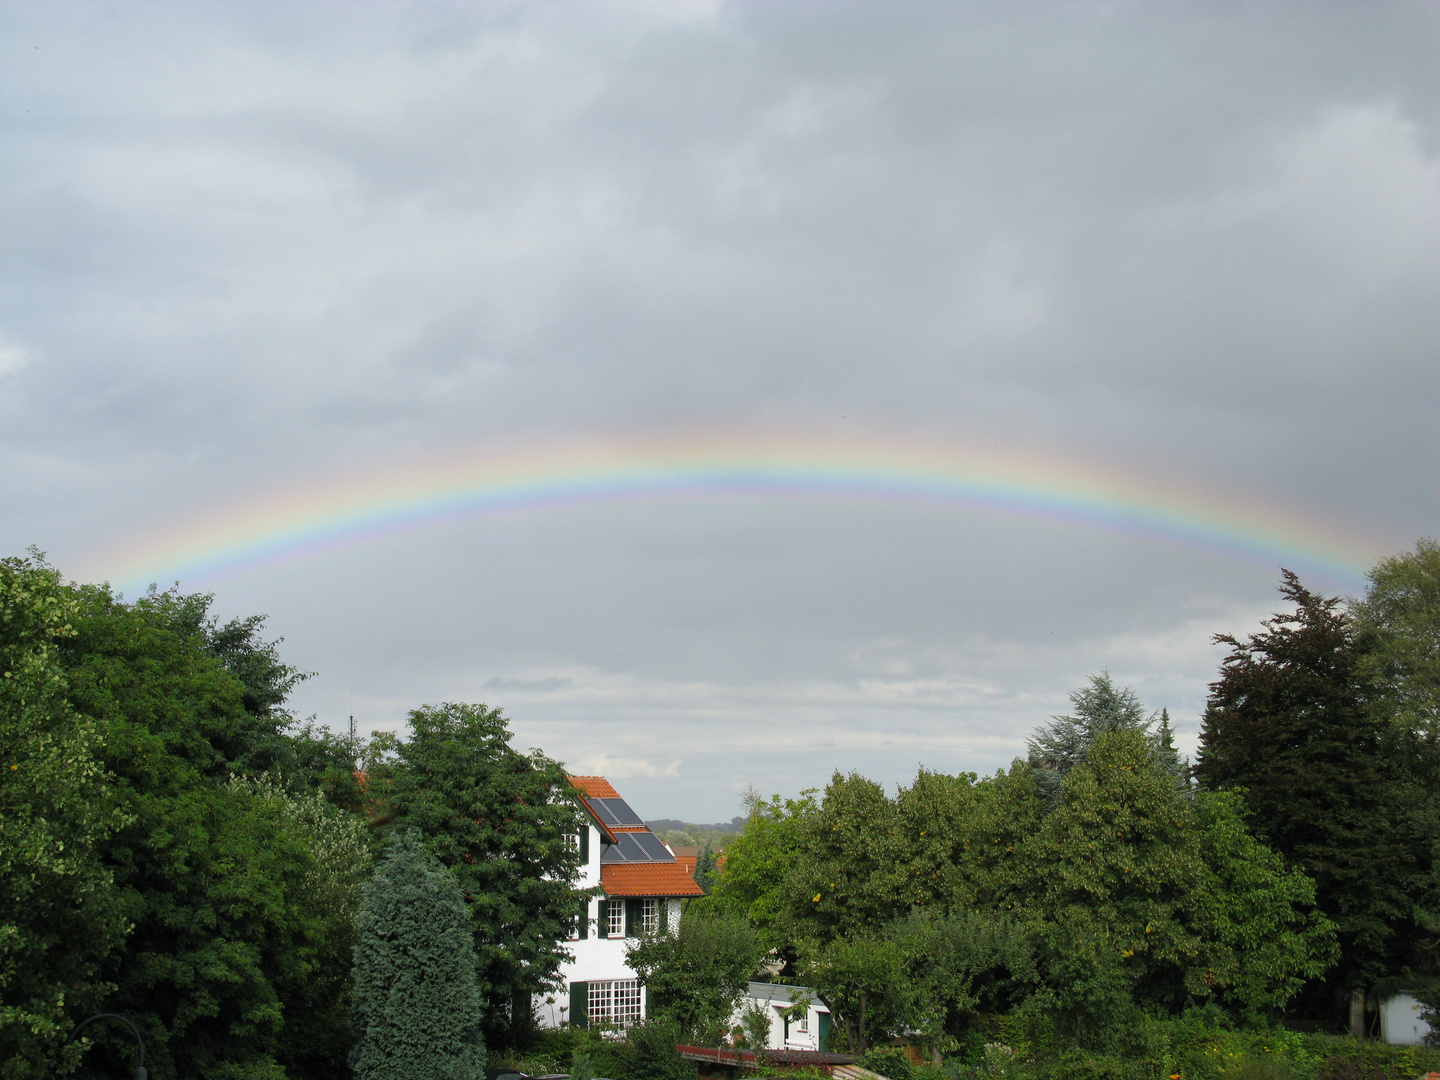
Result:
585,844
579,1002
584,930
824,1030
632,918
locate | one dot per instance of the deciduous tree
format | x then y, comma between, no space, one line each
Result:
498,819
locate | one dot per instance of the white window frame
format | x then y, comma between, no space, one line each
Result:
649,916
615,1003
615,919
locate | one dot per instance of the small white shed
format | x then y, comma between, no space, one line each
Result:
1400,1021
805,1031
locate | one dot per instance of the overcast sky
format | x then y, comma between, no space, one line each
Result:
256,251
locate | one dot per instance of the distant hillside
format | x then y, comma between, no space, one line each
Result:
690,834
734,826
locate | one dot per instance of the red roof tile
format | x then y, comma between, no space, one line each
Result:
594,787
647,879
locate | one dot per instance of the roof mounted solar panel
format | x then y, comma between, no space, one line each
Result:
651,845
616,812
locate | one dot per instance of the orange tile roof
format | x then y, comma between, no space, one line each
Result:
687,863
594,787
647,879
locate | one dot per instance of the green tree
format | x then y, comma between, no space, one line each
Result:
224,946
498,819
58,917
851,876
963,964
1100,708
1140,894
1397,625
1288,725
863,978
696,976
417,1011
316,1035
758,864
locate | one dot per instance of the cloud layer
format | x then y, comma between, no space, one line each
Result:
251,249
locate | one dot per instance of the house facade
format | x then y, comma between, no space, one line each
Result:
642,885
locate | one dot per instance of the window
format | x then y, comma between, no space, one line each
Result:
572,841
649,916
615,1003
615,918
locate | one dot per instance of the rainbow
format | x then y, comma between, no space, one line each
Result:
434,494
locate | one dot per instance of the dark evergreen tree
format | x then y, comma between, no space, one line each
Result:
416,1013
1288,724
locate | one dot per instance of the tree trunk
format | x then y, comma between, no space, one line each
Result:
1357,1012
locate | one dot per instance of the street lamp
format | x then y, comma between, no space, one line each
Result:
140,1066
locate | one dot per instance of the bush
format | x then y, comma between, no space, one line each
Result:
648,1053
888,1061
417,1002
1343,1058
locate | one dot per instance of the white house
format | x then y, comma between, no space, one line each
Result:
803,1031
641,885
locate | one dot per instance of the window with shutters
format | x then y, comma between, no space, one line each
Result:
615,919
649,916
572,841
614,1004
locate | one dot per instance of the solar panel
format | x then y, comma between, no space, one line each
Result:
636,847
616,812
654,850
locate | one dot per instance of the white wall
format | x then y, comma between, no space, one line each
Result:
1400,1022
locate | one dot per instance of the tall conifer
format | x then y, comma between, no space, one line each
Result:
417,1003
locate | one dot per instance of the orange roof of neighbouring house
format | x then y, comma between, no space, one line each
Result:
594,787
647,879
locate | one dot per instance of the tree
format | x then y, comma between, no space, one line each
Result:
58,916
851,876
1146,898
863,978
417,1011
1287,724
696,976
758,864
963,963
1058,747
1397,625
498,819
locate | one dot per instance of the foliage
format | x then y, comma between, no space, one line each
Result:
58,917
695,977
498,819
1100,709
707,868
316,1028
648,1053
752,1028
417,1005
757,864
888,1061
962,964
1398,626
863,978
224,945
1287,724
